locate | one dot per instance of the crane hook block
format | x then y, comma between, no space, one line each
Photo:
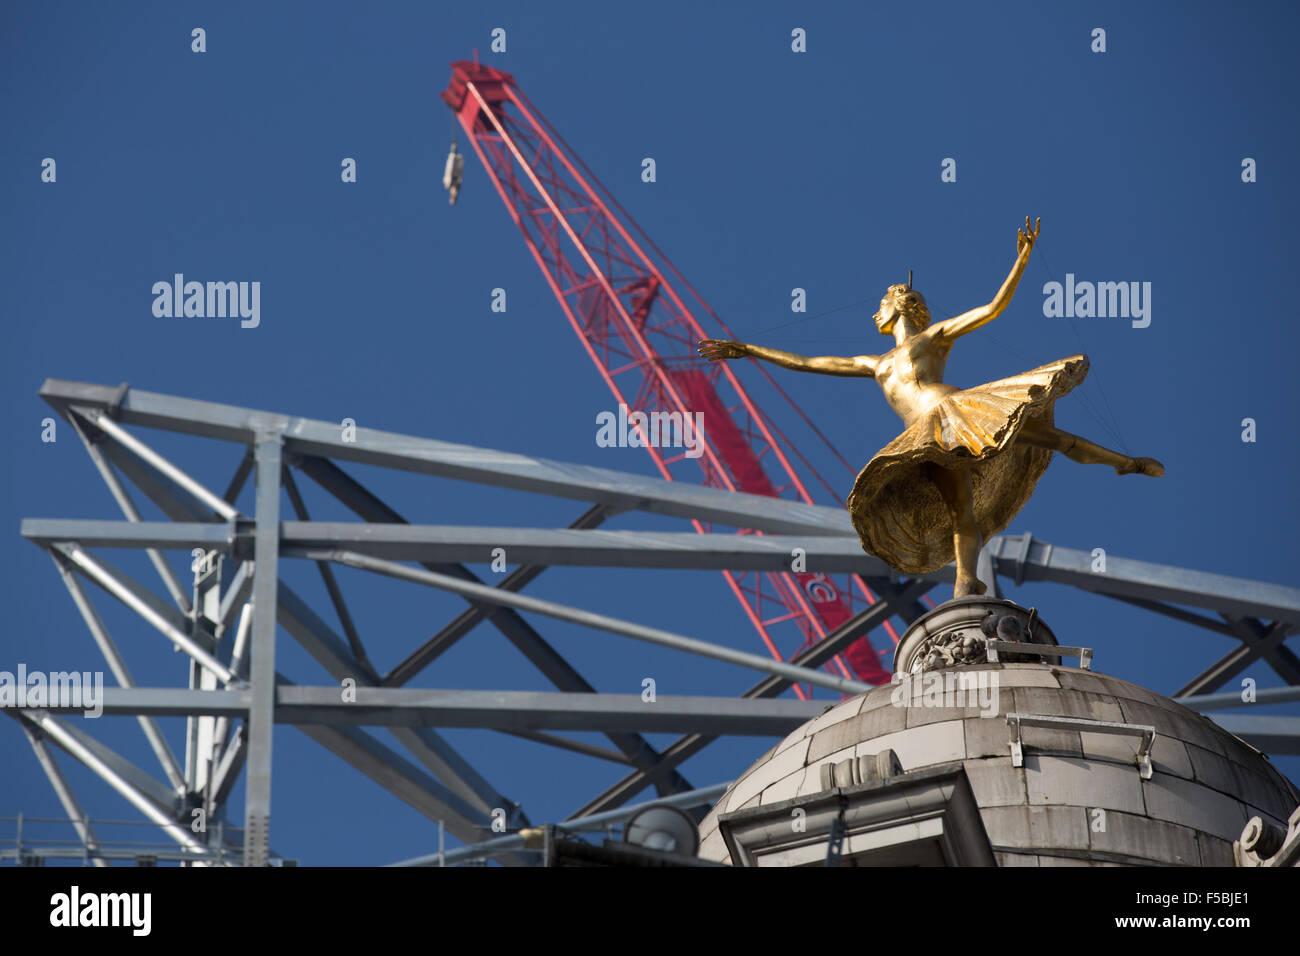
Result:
452,173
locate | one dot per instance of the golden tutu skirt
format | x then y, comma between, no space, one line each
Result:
899,513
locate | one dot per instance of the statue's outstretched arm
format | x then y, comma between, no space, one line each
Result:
862,366
972,320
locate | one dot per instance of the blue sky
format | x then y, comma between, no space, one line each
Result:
775,170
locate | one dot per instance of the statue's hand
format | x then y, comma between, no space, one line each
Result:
1026,237
717,349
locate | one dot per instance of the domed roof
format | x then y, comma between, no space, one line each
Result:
1077,793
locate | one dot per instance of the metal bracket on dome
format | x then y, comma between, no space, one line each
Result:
1084,654
839,829
1146,732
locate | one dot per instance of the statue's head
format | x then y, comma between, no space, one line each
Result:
901,300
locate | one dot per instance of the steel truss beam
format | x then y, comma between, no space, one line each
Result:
71,805
1275,734
124,502
117,665
1142,583
1258,615
602,622
1272,695
492,710
132,783
1257,641
549,662
303,436
187,498
327,575
261,705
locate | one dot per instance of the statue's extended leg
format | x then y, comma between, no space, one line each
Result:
954,487
1089,453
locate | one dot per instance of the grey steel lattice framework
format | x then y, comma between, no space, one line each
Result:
227,624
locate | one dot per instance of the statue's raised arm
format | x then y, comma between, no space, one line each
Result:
970,321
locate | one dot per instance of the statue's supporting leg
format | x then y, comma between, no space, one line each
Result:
1085,452
954,487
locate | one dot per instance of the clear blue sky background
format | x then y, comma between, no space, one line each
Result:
775,171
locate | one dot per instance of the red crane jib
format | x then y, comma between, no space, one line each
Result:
733,449
748,474
489,82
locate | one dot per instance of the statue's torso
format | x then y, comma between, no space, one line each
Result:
911,376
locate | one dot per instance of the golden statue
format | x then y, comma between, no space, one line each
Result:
968,459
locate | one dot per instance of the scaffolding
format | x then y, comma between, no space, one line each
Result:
227,621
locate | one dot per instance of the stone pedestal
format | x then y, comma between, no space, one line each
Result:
957,631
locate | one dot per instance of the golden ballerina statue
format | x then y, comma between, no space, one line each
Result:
968,459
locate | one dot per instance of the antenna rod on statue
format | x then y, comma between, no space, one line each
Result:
909,279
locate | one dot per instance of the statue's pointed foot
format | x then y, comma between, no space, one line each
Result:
1141,466
965,587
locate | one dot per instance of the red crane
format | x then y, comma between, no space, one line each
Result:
641,335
